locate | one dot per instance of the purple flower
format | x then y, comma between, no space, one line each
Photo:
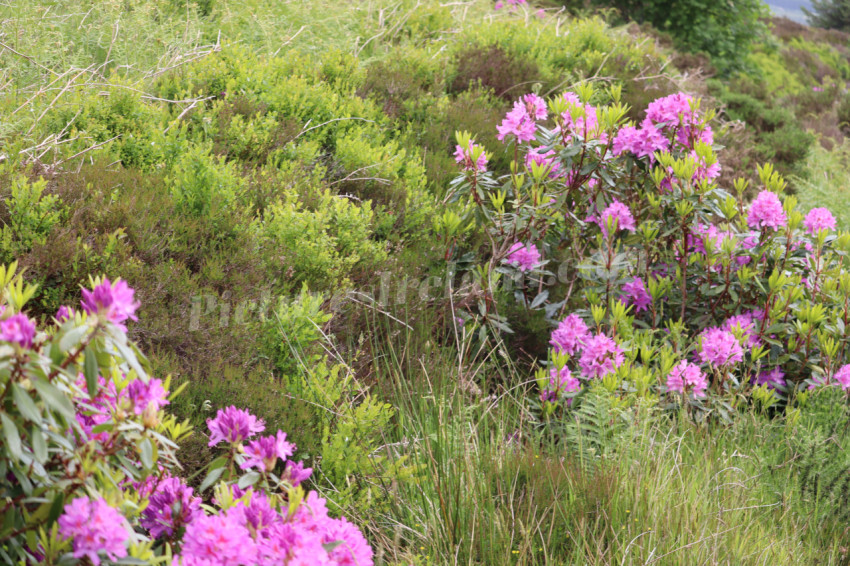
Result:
819,219
517,123
259,514
560,381
583,126
524,256
534,106
94,527
619,215
233,425
766,212
145,394
18,329
634,293
686,375
295,472
601,356
171,506
548,160
642,142
464,156
264,452
218,540
570,335
113,301
719,348
64,313
746,323
774,379
842,376
670,109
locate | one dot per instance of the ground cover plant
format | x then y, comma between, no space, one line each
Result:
521,284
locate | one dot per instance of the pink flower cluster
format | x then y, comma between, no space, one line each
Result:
560,381
766,212
233,425
585,123
114,302
819,219
570,335
98,409
465,156
635,293
18,329
601,356
94,528
521,121
719,348
524,256
512,3
618,215
773,379
686,376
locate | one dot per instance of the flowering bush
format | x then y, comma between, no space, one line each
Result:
89,466
674,285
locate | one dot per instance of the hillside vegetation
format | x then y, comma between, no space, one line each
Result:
296,193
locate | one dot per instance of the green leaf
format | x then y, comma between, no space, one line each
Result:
54,399
25,404
90,370
211,479
56,508
39,444
248,480
12,436
72,338
147,453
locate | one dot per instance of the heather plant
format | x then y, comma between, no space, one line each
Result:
673,286
89,459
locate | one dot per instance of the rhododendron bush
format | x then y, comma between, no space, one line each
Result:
89,456
656,280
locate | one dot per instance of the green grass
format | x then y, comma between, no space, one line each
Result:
827,183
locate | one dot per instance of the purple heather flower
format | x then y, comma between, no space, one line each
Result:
263,452
570,335
18,329
113,301
634,293
524,256
94,527
819,219
601,356
766,212
233,425
720,347
171,506
686,375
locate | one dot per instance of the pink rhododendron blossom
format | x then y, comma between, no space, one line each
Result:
295,472
560,381
221,539
94,411
264,452
524,256
842,377
535,106
233,425
94,527
548,160
642,142
171,506
585,124
819,219
618,214
144,394
113,301
18,329
601,356
774,379
747,325
570,335
719,348
634,293
766,212
517,123
687,376
64,313
464,156
670,109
